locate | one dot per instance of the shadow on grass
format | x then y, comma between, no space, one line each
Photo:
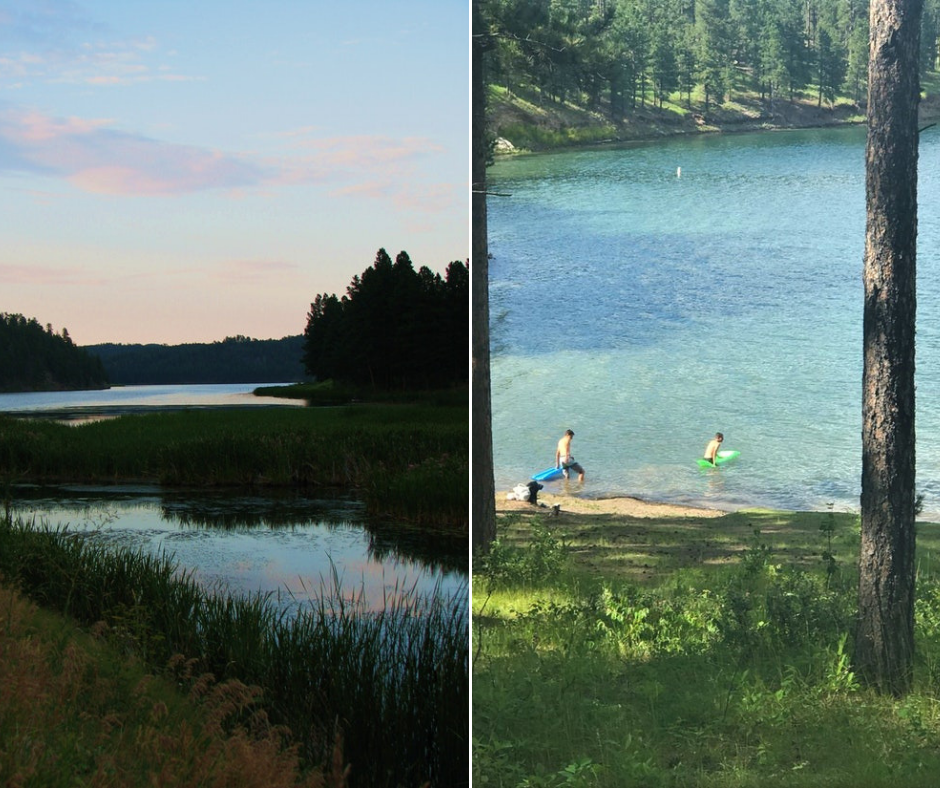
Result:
643,549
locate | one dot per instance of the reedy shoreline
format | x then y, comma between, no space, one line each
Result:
394,684
404,461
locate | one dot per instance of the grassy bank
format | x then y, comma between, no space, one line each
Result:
395,684
613,650
74,710
407,461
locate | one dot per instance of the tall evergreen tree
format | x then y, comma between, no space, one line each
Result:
830,65
713,22
393,329
856,67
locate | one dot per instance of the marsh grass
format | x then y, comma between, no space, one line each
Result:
394,683
612,651
365,448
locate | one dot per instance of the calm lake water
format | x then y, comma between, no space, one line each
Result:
646,309
288,545
86,405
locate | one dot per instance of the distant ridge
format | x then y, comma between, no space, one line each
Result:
233,360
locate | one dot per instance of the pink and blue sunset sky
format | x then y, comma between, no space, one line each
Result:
184,170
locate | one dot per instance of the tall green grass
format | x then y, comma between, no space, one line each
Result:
371,450
736,673
395,682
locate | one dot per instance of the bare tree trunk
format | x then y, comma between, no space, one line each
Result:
884,646
483,488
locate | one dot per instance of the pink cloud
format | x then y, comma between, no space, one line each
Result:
45,275
431,197
34,127
253,270
377,190
406,195
364,151
97,158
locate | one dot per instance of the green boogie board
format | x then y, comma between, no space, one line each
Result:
721,459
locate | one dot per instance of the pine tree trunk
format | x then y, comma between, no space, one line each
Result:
884,647
483,488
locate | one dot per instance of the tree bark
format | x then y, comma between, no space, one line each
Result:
884,646
483,488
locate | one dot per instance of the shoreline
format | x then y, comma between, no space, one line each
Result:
622,505
649,124
618,505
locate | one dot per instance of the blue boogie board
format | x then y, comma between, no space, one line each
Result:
548,475
720,459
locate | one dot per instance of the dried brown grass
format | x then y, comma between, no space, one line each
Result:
73,712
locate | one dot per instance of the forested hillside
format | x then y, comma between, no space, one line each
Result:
33,358
681,61
233,360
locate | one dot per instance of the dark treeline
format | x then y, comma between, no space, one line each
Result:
233,360
395,328
33,358
616,55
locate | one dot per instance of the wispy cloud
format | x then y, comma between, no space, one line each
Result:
46,275
427,197
56,41
235,271
97,158
405,195
365,151
376,167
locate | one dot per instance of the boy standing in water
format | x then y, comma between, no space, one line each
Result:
711,450
563,458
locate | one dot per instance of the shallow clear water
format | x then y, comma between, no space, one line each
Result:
647,309
288,546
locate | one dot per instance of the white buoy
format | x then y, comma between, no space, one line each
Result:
678,172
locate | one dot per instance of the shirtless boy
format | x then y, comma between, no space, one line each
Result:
563,458
711,450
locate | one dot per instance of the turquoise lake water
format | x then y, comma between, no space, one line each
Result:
647,308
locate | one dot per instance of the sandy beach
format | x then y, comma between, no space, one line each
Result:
615,506
629,538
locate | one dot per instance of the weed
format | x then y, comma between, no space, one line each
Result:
540,560
828,529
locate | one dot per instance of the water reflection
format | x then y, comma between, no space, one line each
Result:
79,407
388,542
291,546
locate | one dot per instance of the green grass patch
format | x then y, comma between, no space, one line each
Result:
611,650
